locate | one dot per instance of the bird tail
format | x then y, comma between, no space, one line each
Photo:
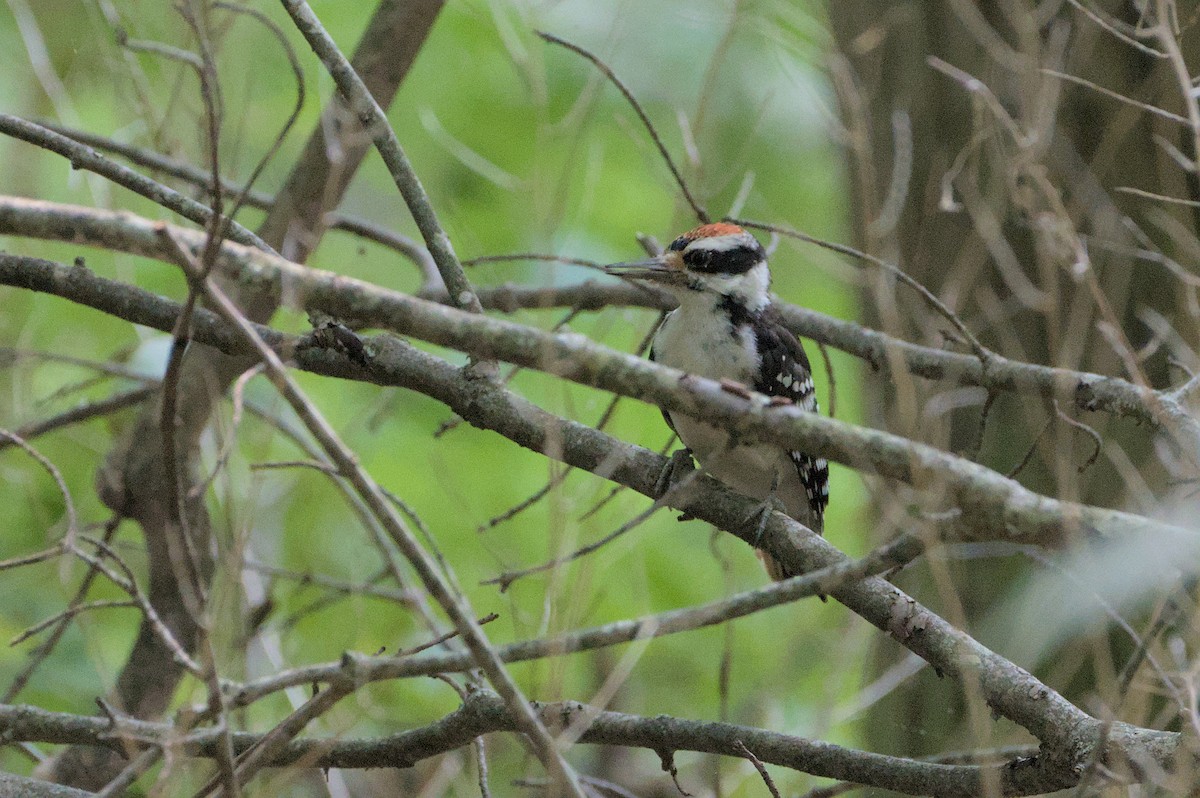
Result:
777,570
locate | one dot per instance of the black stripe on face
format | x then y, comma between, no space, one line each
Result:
738,260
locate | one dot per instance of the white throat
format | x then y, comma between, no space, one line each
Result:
751,290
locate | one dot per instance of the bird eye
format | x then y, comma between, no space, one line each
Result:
697,258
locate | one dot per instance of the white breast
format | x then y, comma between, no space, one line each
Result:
697,340
751,470
691,341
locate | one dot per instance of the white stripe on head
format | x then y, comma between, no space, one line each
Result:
751,288
722,243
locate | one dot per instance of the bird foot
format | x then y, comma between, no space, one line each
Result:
678,468
761,514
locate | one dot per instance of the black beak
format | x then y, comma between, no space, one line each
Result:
657,270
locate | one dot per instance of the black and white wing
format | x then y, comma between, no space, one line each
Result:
785,371
666,416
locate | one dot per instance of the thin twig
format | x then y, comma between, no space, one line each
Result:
10,355
1147,107
1168,38
39,654
276,32
1084,428
180,170
759,766
125,580
455,605
120,783
1137,192
84,157
68,614
373,119
84,412
506,579
534,256
824,581
1117,28
981,352
1024,461
696,207
51,469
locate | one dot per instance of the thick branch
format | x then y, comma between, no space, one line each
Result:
11,784
1069,734
1085,390
992,506
132,478
484,712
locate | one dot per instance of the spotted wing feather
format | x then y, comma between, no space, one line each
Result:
786,372
666,416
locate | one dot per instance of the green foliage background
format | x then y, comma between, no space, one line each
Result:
523,148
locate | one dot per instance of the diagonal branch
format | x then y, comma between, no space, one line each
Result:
993,505
483,712
132,478
83,157
389,46
364,106
453,602
1009,690
309,187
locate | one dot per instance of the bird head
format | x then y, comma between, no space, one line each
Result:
721,259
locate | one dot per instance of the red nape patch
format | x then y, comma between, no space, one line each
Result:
713,230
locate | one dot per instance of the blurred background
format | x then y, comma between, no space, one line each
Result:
831,121
523,148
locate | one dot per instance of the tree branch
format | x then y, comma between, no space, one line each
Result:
375,122
315,186
1085,390
83,157
132,477
452,601
484,712
1009,690
992,505
389,46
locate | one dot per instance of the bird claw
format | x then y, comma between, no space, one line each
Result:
761,514
678,466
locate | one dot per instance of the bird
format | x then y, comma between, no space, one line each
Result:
726,328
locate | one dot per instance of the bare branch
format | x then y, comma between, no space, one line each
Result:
453,602
697,208
85,411
254,198
1085,390
1008,689
351,85
997,507
84,157
484,712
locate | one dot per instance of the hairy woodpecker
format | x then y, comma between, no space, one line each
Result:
725,329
